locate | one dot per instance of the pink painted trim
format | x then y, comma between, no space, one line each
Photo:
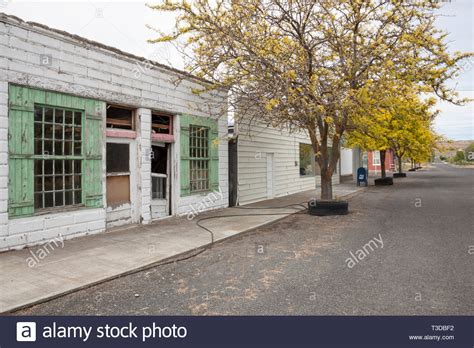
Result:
121,133
167,138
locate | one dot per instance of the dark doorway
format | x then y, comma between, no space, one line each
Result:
233,172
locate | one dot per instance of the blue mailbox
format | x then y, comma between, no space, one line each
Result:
362,176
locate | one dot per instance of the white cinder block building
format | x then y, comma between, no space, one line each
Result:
92,137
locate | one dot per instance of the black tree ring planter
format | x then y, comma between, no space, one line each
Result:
399,175
383,181
411,169
330,207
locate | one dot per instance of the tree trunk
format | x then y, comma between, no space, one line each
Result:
400,165
326,185
382,163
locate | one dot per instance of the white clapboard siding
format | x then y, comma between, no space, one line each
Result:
254,143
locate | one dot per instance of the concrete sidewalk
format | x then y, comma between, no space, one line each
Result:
85,261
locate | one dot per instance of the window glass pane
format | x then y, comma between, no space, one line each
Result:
77,197
38,114
38,130
58,167
77,118
58,183
58,148
38,200
68,182
48,131
67,148
68,197
38,147
77,167
67,133
77,148
77,134
68,166
58,116
48,183
47,147
159,159
77,182
68,117
306,160
58,199
48,200
48,167
117,158
58,132
38,183
48,115
38,167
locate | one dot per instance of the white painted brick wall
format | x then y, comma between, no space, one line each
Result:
93,72
145,164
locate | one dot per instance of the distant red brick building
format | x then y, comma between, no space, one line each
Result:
374,161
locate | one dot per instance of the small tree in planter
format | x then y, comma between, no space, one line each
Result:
304,64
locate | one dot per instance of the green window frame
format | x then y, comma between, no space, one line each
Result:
23,158
199,155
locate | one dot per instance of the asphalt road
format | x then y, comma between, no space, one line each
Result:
300,264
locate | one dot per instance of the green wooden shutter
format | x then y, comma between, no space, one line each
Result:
21,146
185,122
20,149
214,156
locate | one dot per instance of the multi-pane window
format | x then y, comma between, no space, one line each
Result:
199,158
58,157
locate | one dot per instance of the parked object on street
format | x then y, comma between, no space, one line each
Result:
383,181
327,208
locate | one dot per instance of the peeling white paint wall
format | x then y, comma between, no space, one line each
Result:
81,68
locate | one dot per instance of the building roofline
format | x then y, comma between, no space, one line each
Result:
13,20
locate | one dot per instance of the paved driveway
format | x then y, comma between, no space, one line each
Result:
402,250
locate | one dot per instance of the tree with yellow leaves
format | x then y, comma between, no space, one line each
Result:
301,64
397,119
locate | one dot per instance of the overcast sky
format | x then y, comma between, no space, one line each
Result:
122,24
